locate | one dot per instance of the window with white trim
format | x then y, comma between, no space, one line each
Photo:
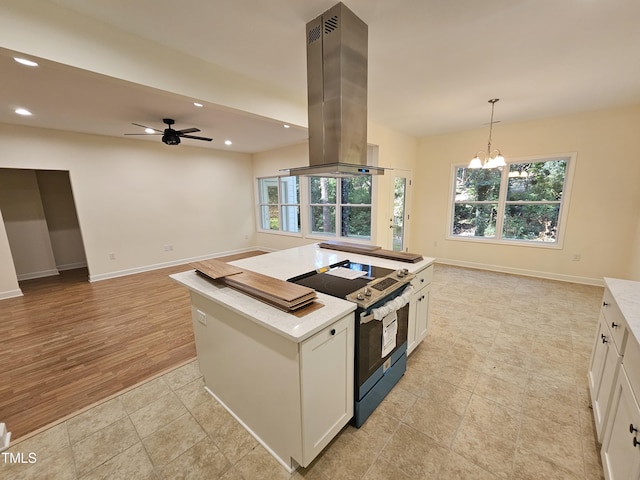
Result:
341,205
523,202
279,204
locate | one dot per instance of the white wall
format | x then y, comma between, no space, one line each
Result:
8,278
133,198
603,219
26,225
62,220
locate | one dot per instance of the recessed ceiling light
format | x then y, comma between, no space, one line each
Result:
22,111
286,126
228,142
197,104
149,130
24,61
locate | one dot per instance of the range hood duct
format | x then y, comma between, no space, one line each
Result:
337,43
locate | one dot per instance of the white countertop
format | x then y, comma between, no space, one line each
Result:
627,296
285,264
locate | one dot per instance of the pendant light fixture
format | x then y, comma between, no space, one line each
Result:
492,158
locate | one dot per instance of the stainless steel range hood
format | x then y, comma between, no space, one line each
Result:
337,43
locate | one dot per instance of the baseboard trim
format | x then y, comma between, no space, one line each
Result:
158,266
71,266
44,273
11,294
597,282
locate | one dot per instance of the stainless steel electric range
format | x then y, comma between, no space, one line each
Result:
382,317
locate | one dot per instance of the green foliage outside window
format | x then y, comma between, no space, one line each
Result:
528,209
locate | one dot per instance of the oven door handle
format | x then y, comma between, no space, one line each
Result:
391,306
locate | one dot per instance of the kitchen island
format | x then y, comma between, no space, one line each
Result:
287,378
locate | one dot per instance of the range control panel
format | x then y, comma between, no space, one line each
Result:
380,287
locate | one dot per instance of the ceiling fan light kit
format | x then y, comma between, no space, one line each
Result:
169,135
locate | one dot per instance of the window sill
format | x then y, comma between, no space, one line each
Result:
512,243
280,232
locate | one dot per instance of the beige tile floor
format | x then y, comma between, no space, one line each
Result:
497,391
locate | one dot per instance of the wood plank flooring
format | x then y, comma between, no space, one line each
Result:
67,343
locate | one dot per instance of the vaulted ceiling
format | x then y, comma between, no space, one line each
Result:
433,64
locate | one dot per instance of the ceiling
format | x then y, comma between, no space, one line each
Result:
433,64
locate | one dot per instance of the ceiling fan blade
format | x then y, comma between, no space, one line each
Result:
197,138
144,126
148,134
187,130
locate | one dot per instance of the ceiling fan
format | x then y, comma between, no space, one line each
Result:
169,135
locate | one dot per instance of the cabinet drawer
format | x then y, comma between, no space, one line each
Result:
631,362
423,278
615,320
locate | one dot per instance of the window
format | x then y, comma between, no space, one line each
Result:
341,205
523,202
279,203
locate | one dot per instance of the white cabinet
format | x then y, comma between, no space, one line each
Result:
621,447
419,308
603,368
292,397
606,358
614,380
326,368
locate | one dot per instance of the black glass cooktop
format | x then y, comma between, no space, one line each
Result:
322,282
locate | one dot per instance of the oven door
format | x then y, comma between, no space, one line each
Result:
369,345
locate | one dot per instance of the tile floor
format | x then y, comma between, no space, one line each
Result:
497,391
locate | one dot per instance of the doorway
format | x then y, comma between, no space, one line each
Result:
398,223
41,222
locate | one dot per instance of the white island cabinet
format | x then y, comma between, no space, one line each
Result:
419,308
614,380
288,379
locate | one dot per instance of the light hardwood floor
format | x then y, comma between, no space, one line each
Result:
67,343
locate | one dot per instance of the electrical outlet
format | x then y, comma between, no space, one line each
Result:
168,247
202,317
112,256
576,257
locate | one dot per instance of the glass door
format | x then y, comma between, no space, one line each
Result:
397,223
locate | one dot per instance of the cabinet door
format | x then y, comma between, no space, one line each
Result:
412,337
327,385
422,314
621,447
603,368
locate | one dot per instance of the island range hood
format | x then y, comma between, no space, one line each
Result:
337,43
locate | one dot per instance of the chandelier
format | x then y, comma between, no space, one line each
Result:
490,158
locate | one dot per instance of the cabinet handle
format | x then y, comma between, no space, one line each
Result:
422,280
604,339
333,331
632,429
635,442
605,304
614,325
